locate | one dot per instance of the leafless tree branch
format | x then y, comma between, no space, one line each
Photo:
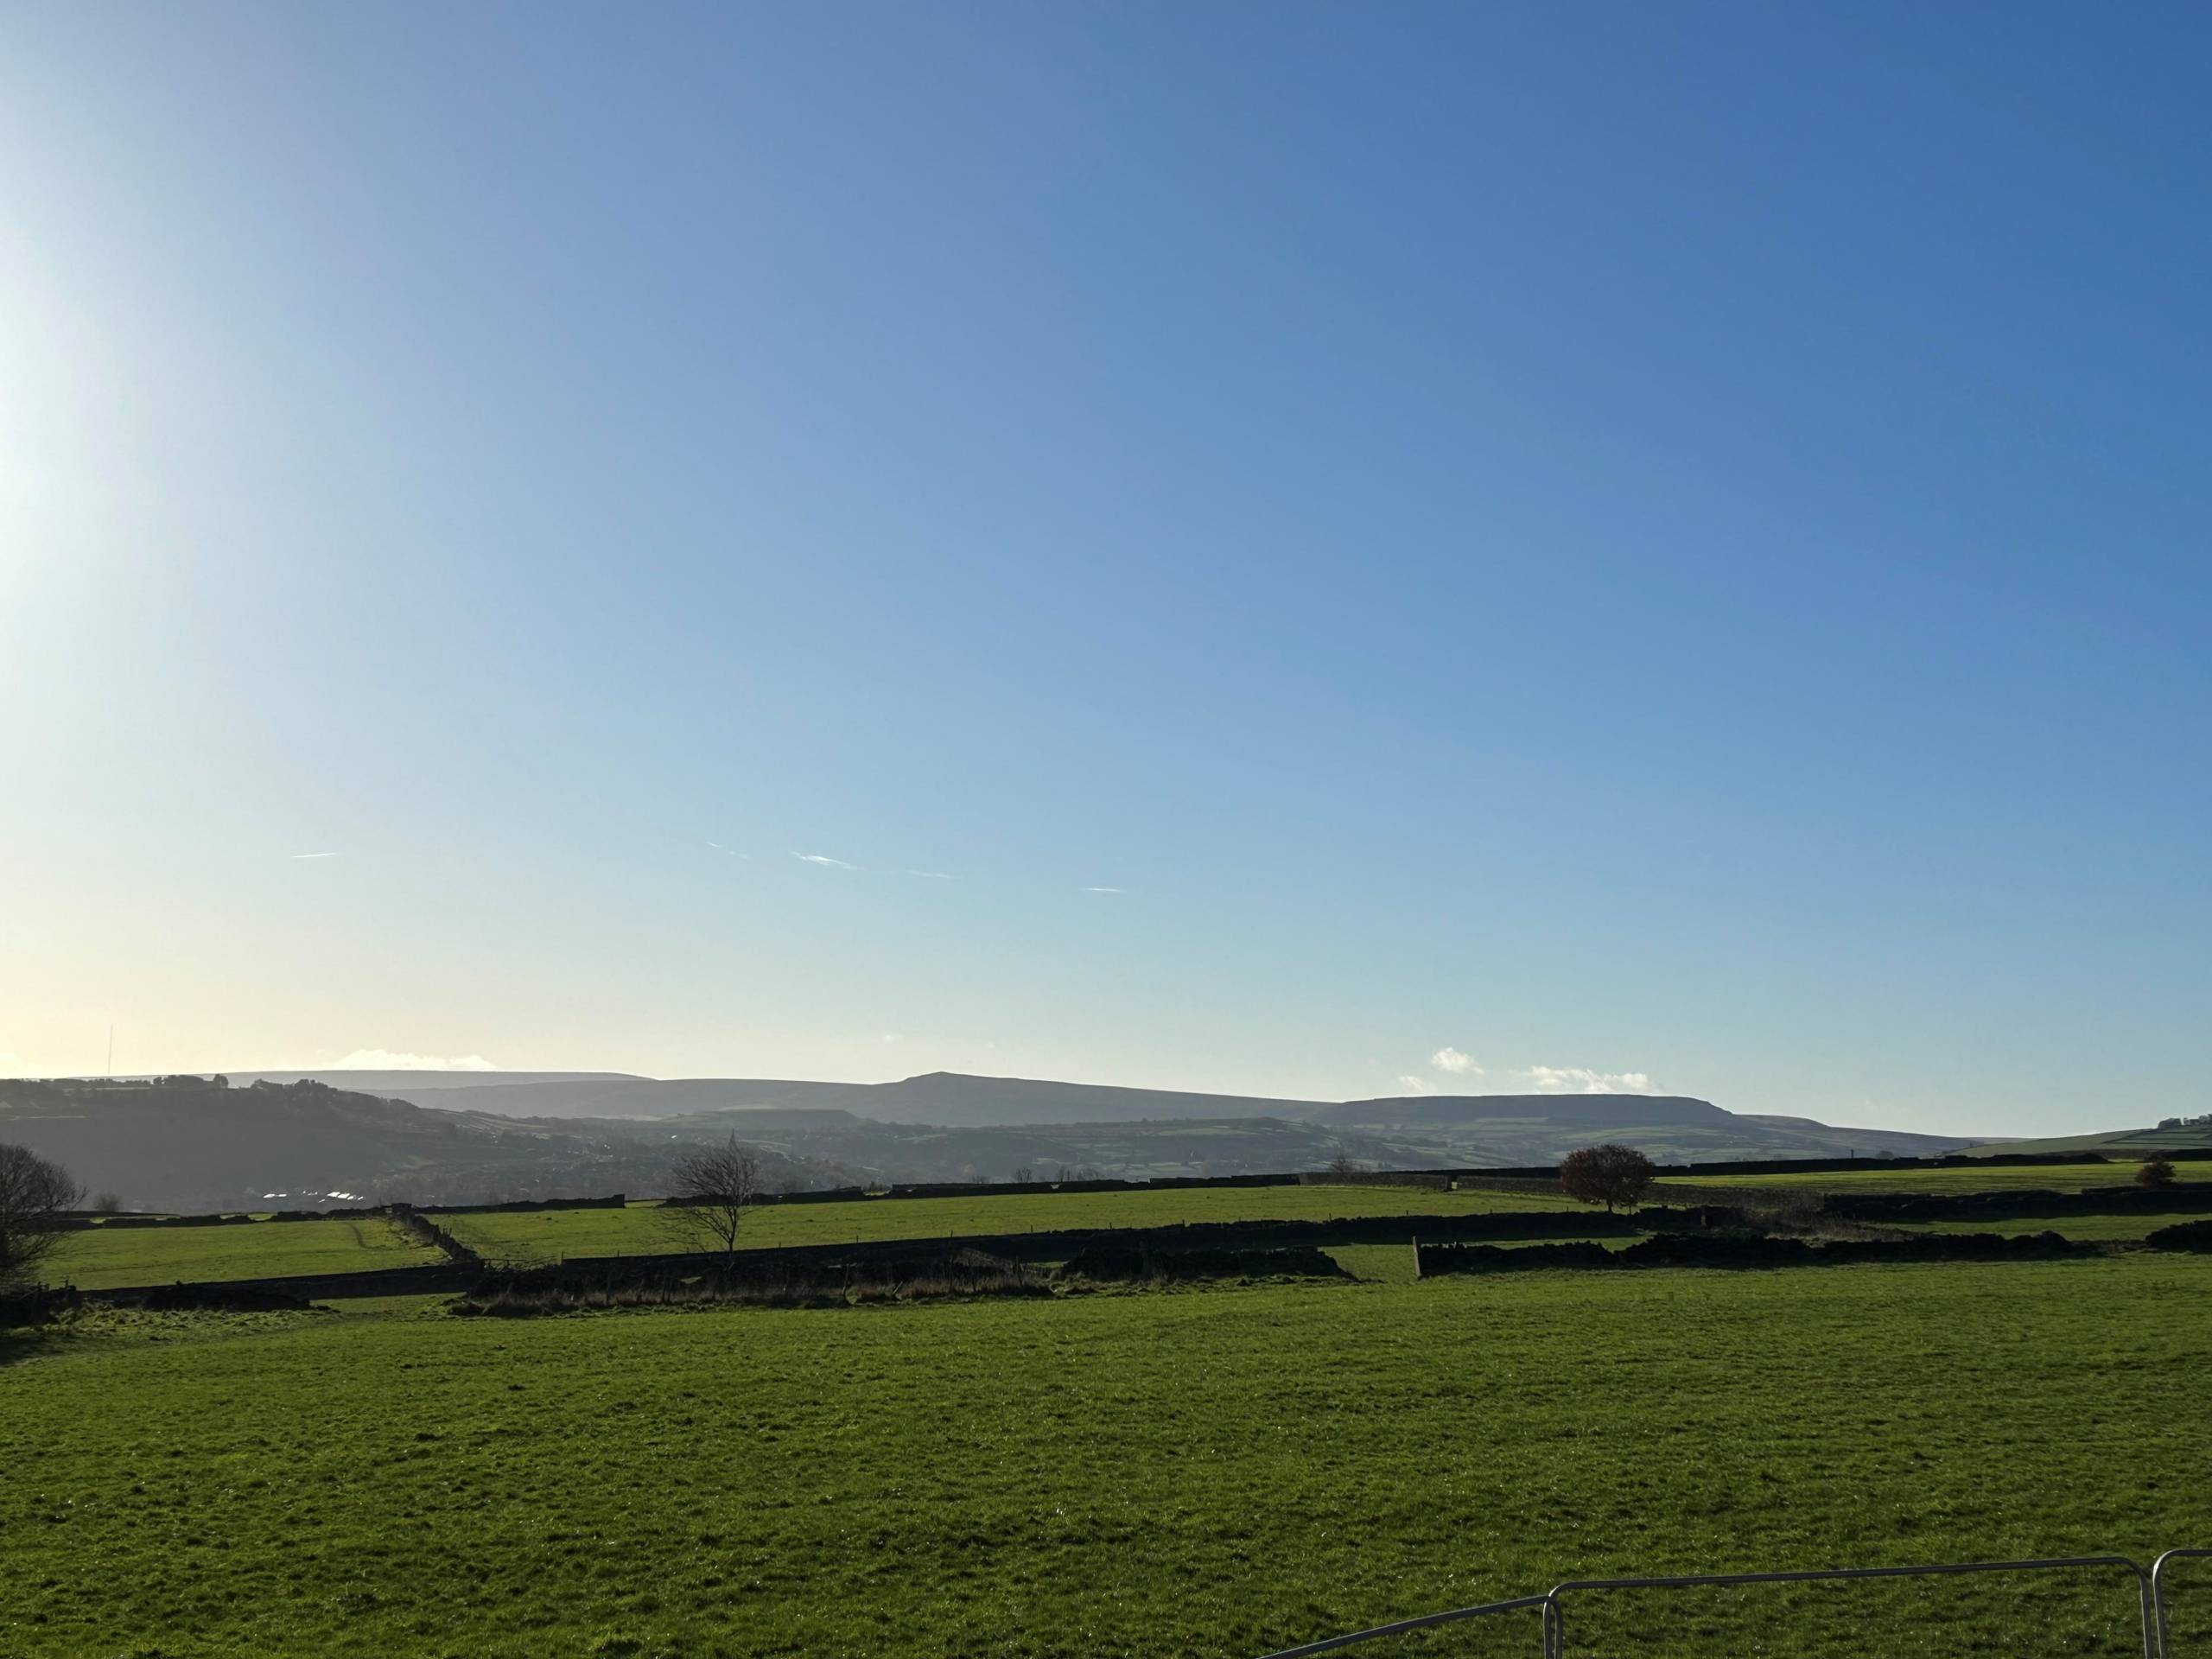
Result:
34,1196
711,1189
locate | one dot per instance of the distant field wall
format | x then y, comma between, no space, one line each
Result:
1056,1246
1852,1166
2024,1204
520,1206
431,1278
81,1220
1028,1248
1738,1197
1516,1177
1742,1250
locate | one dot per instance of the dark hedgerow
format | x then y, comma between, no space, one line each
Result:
2193,1236
1112,1260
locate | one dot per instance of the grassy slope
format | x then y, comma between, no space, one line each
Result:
105,1257
1211,1473
2006,1178
2131,1143
545,1236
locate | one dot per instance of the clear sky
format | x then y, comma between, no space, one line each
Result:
1285,547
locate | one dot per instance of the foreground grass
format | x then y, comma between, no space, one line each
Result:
105,1257
2004,1178
1208,1473
531,1237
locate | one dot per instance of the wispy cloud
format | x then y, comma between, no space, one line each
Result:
298,855
824,861
730,852
1582,1080
1457,1062
934,875
1101,889
385,1059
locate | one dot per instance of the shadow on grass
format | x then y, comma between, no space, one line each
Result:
23,1342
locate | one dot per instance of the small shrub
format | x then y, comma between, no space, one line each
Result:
2155,1172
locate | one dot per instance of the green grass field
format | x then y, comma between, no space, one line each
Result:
100,1258
2121,1142
104,1258
2056,1177
531,1237
1211,1473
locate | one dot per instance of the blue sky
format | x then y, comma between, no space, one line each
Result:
1637,546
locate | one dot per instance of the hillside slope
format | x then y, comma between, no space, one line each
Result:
1474,1129
181,1145
942,1097
1130,1151
1541,1129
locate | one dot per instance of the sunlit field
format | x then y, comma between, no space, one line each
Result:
533,1236
2000,1177
102,1258
1211,1472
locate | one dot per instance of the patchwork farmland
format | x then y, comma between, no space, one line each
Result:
530,1238
1250,1461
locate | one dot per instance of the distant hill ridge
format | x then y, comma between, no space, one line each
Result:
1598,1111
474,1136
951,1099
1495,1129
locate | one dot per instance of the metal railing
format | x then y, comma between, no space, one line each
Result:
1556,1614
2151,1608
2158,1595
1426,1621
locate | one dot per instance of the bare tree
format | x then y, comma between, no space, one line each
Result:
108,1203
1344,1163
713,1186
34,1196
1024,1175
1611,1174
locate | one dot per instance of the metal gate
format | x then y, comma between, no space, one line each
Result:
2150,1591
1555,1613
1428,1621
2158,1595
